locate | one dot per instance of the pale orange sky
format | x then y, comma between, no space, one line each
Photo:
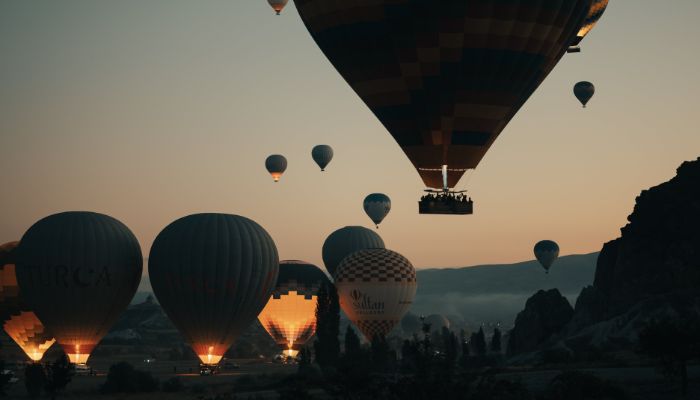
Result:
149,111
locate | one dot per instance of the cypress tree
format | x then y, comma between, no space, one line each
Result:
327,344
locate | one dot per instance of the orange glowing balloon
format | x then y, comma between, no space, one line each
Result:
290,314
19,322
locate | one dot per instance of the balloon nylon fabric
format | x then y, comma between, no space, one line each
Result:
377,206
322,155
78,271
546,252
18,321
584,91
213,274
345,241
276,164
594,14
290,314
376,288
444,77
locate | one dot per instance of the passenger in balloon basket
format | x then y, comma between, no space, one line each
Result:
445,202
208,369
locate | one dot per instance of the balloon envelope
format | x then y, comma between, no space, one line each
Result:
546,252
213,274
278,5
19,322
276,164
348,240
376,288
290,314
78,271
377,206
584,92
322,155
594,13
444,77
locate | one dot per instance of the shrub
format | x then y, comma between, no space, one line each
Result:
124,378
172,385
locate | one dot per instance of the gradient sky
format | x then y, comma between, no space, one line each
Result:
152,110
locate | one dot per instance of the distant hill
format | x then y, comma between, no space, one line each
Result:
496,293
486,293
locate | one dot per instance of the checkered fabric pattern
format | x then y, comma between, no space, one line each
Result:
444,77
372,328
305,289
597,9
375,265
298,276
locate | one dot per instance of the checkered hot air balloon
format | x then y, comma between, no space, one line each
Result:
346,241
376,288
444,77
290,314
18,320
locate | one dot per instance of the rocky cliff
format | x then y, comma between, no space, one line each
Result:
545,314
652,271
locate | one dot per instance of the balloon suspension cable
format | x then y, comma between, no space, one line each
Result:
444,179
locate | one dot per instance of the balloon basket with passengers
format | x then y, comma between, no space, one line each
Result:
445,201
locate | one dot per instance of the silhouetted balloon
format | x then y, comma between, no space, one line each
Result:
377,206
411,323
375,287
213,274
322,154
437,322
594,13
345,241
444,77
278,5
276,165
546,252
584,91
78,271
290,314
19,322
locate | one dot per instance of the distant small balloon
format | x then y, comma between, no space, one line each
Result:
322,154
546,252
276,164
377,206
583,92
278,5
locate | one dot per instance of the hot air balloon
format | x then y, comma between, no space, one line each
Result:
583,92
444,77
276,165
290,314
411,324
78,271
437,322
377,206
594,13
278,5
322,154
546,252
375,287
213,274
19,322
345,241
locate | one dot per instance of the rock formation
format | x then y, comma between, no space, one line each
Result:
545,315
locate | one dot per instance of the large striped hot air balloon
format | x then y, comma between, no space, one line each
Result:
376,288
290,314
594,13
345,241
213,274
19,322
444,77
78,271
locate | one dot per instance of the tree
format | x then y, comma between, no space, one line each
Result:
352,342
672,344
479,343
34,379
4,378
381,354
496,341
327,344
58,376
464,359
